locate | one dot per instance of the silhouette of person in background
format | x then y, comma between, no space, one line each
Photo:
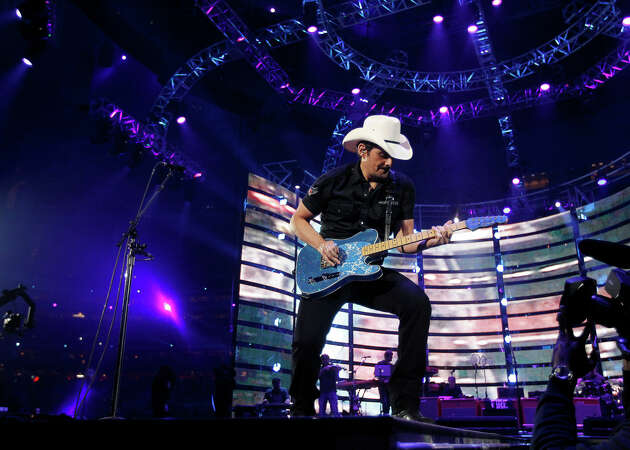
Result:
163,384
328,376
276,394
223,386
382,372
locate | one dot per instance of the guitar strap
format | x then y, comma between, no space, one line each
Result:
389,200
388,214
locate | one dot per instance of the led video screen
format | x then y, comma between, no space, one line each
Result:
463,281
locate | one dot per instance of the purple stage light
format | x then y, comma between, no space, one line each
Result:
507,210
240,39
181,119
54,305
355,91
27,62
197,175
18,13
557,204
516,181
438,19
124,57
443,109
545,87
272,10
496,2
312,29
602,181
167,307
626,21
472,28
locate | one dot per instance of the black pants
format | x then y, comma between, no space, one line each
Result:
392,293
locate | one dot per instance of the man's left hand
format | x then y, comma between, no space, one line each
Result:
442,235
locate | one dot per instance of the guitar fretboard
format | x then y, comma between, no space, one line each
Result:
404,240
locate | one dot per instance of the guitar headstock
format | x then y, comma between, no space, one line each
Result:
482,222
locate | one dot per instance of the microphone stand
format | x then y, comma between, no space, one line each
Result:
518,396
133,248
484,363
476,367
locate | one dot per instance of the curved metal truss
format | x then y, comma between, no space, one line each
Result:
278,35
593,78
602,17
142,134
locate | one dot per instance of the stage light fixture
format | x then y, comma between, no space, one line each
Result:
438,19
472,29
310,15
602,182
297,186
507,210
504,301
167,307
516,181
512,378
507,338
181,120
557,204
18,13
500,268
124,57
626,21
282,201
197,175
545,87
443,109
281,236
355,91
272,10
277,367
27,62
496,2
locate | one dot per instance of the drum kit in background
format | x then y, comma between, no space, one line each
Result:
609,392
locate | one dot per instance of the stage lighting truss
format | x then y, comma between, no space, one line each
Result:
602,17
141,134
278,35
239,35
593,78
497,92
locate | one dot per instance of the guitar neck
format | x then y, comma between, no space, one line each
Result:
404,240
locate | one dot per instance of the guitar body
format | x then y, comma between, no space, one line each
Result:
357,254
316,280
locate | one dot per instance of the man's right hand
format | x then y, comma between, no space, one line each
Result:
330,253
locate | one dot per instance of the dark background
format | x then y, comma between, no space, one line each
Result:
64,200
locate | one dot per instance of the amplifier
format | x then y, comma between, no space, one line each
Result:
586,407
429,407
528,411
458,407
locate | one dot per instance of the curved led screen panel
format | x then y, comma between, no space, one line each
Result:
262,239
469,322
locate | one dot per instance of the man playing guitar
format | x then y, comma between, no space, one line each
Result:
350,199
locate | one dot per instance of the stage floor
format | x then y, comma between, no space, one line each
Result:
347,433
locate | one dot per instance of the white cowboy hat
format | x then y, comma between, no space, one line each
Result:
383,131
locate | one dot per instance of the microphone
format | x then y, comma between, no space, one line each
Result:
610,253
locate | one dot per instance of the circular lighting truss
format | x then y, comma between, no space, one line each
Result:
602,17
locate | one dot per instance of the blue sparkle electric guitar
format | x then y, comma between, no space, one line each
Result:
316,278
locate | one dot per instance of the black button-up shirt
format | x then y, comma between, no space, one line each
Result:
348,205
